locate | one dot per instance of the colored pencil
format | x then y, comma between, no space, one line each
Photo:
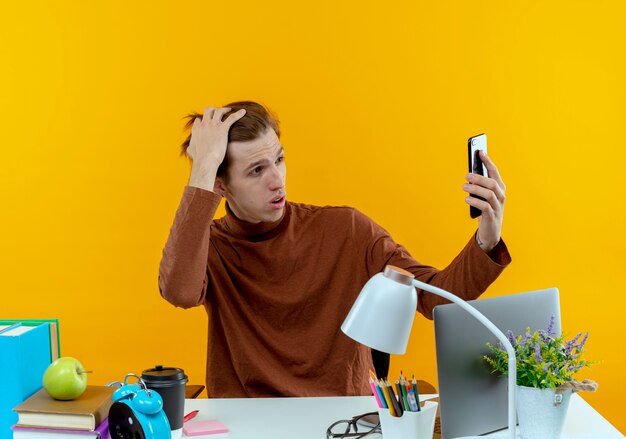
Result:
394,400
385,390
403,392
373,386
380,395
403,406
373,375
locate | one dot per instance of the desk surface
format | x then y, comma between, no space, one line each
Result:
308,418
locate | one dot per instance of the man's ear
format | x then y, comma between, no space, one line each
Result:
219,187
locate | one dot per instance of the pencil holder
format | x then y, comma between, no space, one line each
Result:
411,425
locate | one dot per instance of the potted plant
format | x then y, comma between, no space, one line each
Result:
546,364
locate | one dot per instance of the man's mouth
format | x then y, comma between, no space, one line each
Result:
278,202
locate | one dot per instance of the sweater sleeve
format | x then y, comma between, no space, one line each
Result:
183,277
468,275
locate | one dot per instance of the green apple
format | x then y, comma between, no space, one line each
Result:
65,379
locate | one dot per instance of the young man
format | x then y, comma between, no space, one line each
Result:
278,278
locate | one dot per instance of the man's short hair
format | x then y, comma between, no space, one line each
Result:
257,120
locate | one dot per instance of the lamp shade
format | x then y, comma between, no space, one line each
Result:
382,315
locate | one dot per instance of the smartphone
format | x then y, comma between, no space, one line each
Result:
476,166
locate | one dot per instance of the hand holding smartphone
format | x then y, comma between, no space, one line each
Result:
476,166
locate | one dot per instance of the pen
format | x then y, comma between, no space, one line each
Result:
417,394
412,403
189,416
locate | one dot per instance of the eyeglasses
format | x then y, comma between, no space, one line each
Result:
350,428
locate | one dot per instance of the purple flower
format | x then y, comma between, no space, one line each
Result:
511,337
551,326
543,335
547,366
572,343
582,343
568,347
538,353
574,368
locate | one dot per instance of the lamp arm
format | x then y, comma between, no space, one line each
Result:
512,375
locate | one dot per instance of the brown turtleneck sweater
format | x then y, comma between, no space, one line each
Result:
277,293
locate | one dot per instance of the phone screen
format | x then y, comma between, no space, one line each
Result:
476,166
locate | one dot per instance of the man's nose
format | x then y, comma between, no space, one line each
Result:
276,179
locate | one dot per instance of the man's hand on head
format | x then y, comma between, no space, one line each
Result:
492,189
207,148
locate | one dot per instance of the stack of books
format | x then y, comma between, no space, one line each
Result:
42,417
26,349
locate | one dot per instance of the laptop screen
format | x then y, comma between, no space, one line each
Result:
472,400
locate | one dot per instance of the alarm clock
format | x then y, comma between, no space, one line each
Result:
137,412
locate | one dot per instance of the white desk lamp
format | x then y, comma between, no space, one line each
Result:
382,316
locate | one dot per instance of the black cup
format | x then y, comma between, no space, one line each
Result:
170,383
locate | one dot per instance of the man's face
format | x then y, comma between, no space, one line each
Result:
255,187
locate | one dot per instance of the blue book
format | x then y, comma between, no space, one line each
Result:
24,357
55,334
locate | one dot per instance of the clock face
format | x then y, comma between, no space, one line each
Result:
123,423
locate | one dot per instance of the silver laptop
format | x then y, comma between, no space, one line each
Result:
473,401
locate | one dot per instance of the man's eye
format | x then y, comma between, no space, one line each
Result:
256,171
280,159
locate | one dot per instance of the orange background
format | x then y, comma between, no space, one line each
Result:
376,102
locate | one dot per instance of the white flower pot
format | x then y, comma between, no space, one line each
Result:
539,416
